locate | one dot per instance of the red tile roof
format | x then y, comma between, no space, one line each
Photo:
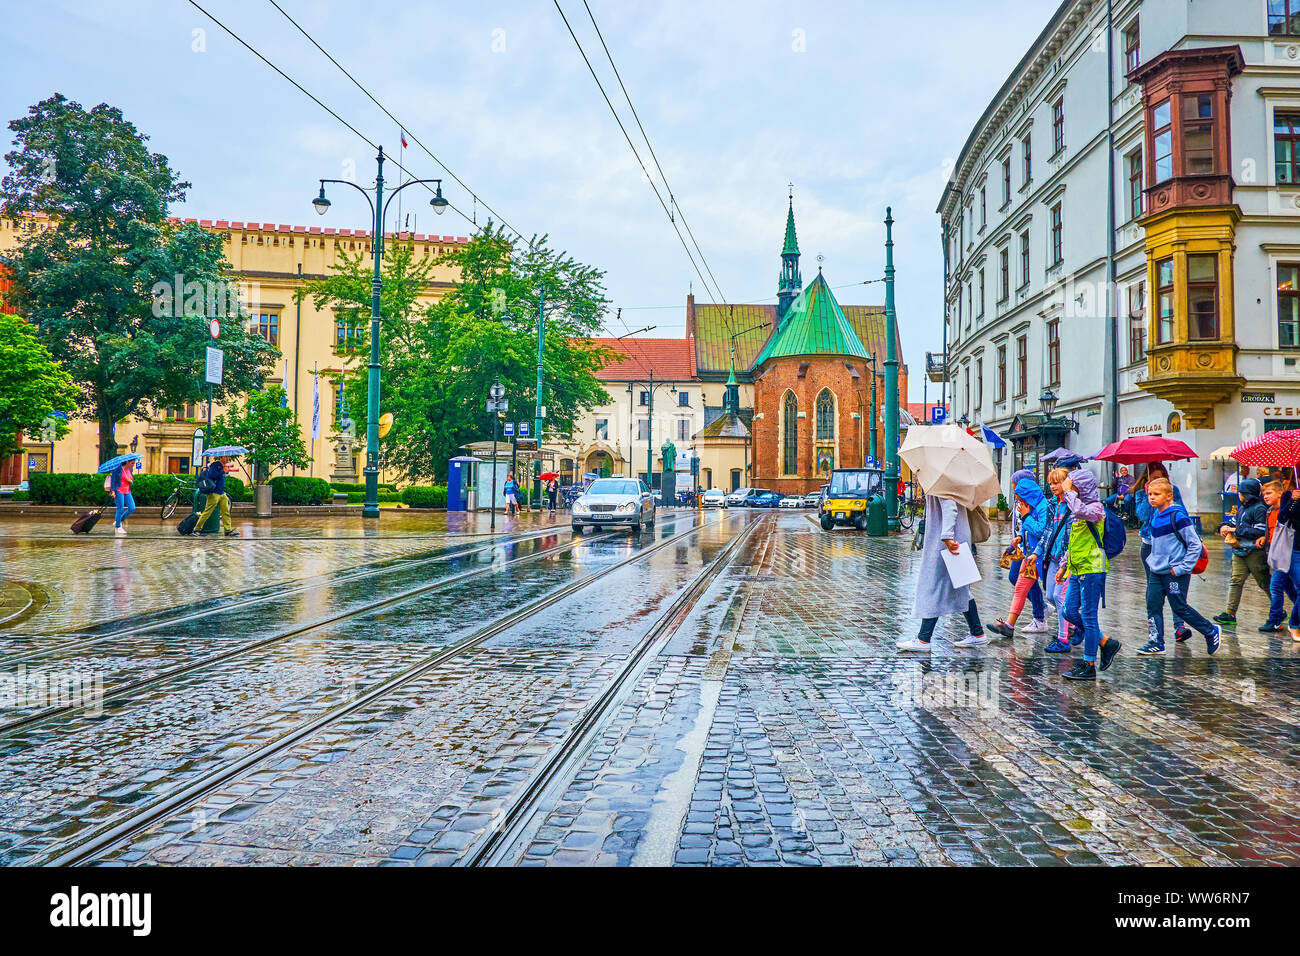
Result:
669,359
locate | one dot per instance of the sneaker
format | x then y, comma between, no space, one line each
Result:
232,533
1076,636
1057,647
972,640
1267,628
1229,620
1152,647
119,530
1036,627
1108,652
1182,633
1212,641
912,644
1083,670
1002,629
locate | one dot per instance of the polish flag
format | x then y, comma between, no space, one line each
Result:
403,136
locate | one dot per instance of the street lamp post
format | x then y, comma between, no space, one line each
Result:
378,210
495,394
891,377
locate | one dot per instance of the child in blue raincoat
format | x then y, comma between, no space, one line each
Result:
1032,507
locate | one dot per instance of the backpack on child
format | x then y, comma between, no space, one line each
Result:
1113,536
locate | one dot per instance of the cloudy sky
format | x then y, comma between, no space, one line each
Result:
860,104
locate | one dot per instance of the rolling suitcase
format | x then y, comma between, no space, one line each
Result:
85,522
187,523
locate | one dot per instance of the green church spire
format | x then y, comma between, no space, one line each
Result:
791,241
790,282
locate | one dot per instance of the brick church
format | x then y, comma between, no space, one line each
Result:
807,364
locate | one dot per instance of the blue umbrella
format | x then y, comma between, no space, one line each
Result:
591,475
113,463
224,451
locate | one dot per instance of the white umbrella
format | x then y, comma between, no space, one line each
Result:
950,463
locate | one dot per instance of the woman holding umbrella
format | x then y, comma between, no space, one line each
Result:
121,472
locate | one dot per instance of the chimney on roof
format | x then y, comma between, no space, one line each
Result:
690,315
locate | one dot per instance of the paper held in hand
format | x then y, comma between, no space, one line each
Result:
961,566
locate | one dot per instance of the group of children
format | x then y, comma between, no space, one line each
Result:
1259,551
1065,564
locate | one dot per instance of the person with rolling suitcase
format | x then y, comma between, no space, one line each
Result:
212,482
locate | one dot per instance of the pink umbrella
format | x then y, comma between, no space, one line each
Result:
1142,449
1279,449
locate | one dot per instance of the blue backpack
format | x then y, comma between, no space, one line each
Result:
1114,536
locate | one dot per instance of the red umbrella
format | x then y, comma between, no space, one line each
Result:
1279,449
1142,449
549,475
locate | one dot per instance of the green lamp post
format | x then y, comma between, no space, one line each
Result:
891,378
378,209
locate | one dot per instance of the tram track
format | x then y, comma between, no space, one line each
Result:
505,842
117,692
86,847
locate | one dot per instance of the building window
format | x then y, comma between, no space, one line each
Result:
1162,138
1024,258
1054,352
825,416
644,398
602,429
1288,305
1165,301
1202,298
1056,235
1058,126
1004,278
1002,373
643,429
1022,366
1027,159
790,435
1137,323
347,335
1134,160
1198,134
1132,56
684,399
979,387
683,429
1284,18
965,387
1006,180
267,325
981,311
1286,146
984,208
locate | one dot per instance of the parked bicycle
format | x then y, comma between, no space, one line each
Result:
908,512
183,487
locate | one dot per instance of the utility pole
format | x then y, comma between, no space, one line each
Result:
537,408
891,378
650,437
874,457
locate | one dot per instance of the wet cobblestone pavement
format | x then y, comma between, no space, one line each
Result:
655,715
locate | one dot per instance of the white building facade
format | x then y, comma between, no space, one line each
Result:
1177,309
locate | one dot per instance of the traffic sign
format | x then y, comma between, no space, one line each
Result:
509,429
526,444
216,361
502,406
214,328
523,429
938,414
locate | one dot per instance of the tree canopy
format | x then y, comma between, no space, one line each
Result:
32,385
267,428
119,294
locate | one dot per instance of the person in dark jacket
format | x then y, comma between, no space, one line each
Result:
1248,558
216,473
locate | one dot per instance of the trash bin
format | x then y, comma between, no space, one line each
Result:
214,521
877,522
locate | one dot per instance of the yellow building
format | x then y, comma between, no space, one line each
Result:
271,263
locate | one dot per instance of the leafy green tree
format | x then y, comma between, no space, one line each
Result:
32,385
439,360
120,294
267,428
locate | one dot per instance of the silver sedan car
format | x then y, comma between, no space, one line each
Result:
609,501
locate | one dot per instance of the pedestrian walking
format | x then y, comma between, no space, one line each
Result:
1175,549
1145,512
511,490
947,526
1248,539
552,492
120,481
214,478
1051,553
1285,563
1032,511
1086,566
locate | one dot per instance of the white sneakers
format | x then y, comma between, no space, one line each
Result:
120,531
1036,627
912,644
972,640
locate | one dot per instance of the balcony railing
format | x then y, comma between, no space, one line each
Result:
935,363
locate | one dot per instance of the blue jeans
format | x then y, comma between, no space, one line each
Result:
1144,553
1283,583
1035,593
125,505
1081,603
1161,585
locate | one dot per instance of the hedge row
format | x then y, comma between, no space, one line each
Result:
385,497
350,486
425,496
72,488
291,490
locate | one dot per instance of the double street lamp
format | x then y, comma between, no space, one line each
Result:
378,210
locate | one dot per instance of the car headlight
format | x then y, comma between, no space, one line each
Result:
859,504
579,508
630,506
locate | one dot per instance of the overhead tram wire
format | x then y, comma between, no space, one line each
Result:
676,205
601,86
477,198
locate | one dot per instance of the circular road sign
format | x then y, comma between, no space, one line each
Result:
214,327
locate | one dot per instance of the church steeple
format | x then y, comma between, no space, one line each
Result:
731,397
790,283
